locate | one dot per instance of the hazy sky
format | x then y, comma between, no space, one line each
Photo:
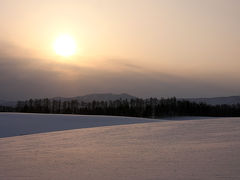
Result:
182,48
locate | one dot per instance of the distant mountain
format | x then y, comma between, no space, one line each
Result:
8,103
86,98
112,97
98,97
217,100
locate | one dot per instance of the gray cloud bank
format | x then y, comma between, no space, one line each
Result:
26,77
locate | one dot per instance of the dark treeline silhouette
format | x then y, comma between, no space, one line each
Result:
152,107
7,109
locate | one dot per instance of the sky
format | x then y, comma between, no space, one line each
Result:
147,48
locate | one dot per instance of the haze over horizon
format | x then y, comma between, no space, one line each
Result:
145,48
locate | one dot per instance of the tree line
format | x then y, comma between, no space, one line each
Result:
151,108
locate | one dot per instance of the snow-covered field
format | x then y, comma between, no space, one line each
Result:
206,149
15,124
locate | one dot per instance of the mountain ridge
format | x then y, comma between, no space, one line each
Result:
98,97
229,100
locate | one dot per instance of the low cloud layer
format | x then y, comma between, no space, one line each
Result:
27,77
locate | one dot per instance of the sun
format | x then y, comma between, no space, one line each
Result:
65,46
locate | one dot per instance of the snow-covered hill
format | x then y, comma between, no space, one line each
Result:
206,149
14,124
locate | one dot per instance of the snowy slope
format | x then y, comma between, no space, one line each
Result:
207,149
14,124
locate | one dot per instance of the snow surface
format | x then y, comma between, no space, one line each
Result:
14,124
206,149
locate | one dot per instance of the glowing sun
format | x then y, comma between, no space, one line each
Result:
65,46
